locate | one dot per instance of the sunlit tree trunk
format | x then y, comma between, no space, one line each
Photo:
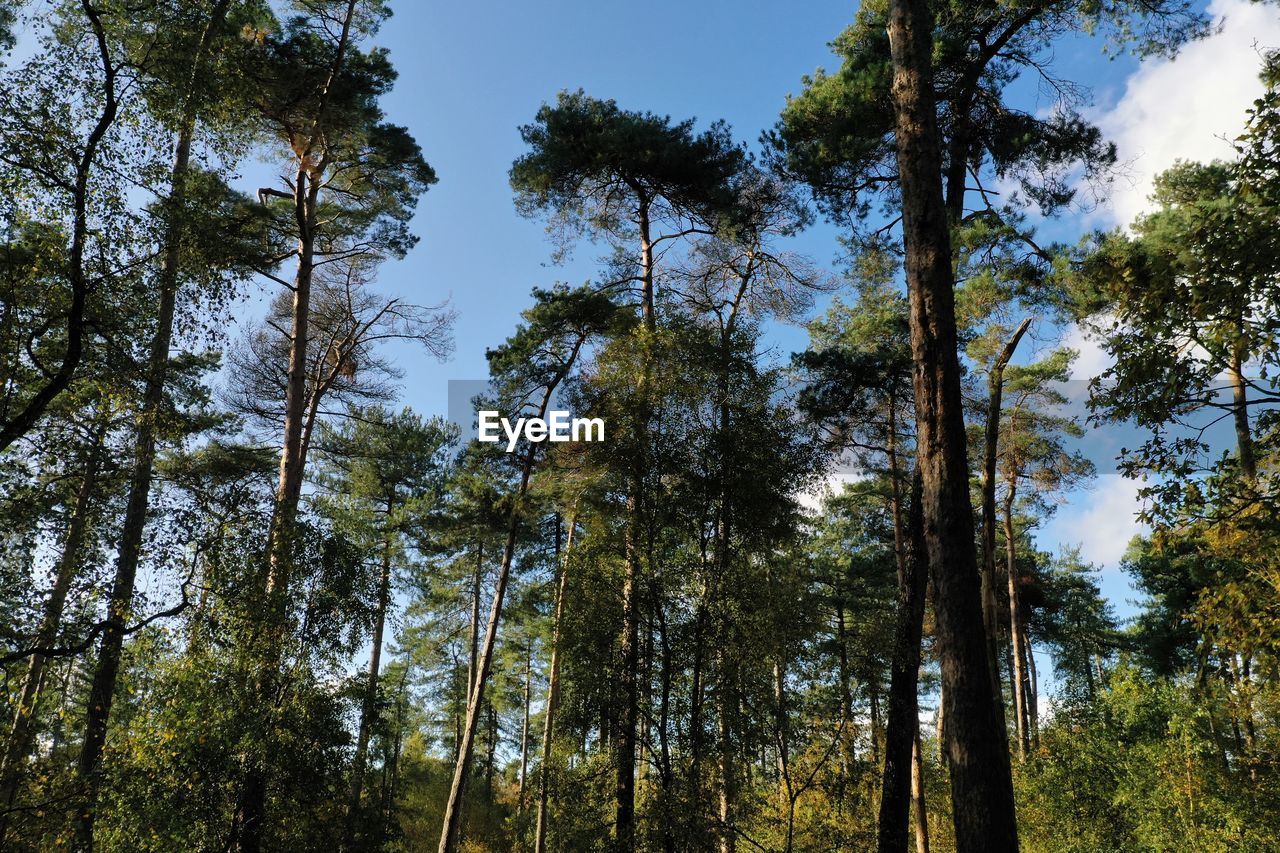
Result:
995,391
1018,676
917,796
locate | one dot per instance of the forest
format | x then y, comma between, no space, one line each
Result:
795,601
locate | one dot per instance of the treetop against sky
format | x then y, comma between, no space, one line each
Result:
738,62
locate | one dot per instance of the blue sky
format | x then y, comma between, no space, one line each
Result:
470,74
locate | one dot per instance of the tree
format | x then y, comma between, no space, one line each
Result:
1034,464
62,171
529,369
355,182
981,788
1076,621
861,372
893,120
187,193
385,472
1190,300
617,175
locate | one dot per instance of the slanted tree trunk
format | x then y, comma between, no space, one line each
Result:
553,692
473,639
368,707
458,701
449,833
120,603
1033,704
903,727
23,731
981,781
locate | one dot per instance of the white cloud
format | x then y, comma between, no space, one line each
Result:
1101,521
1190,107
1091,359
832,485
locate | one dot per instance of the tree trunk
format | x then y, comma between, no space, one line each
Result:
727,775
102,689
458,703
493,749
846,691
981,782
1240,415
369,706
783,725
524,729
1018,677
873,691
553,693
917,796
903,726
449,832
625,739
995,390
1033,691
473,639
393,764
647,308
23,731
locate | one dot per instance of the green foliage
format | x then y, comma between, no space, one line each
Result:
591,161
761,600
1142,767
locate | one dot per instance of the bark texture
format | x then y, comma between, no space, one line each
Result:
981,782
